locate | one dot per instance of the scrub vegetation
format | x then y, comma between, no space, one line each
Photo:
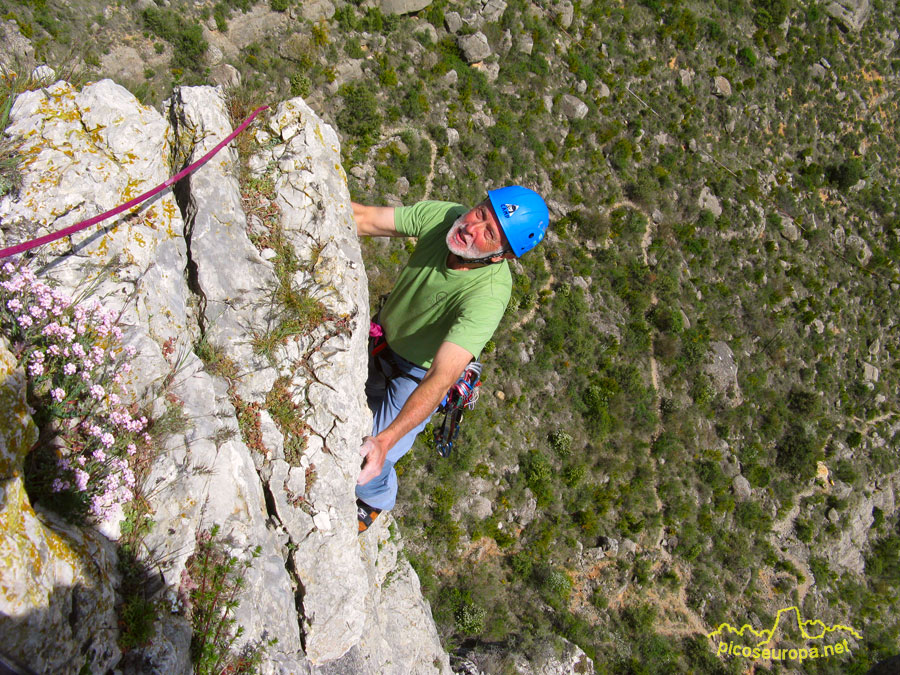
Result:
690,412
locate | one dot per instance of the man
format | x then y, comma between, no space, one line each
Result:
444,307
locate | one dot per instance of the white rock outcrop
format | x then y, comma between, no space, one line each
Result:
474,47
185,273
573,107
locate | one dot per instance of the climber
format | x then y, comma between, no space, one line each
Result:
445,305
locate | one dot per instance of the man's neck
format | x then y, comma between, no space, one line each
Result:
454,262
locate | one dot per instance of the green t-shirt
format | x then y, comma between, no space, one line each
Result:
431,303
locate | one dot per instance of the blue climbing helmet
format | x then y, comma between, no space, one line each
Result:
523,215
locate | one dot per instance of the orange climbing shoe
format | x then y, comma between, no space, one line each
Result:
365,515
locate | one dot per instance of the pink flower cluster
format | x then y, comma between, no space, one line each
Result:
74,357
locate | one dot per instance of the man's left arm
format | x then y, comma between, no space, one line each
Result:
448,365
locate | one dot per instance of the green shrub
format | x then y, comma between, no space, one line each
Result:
746,56
301,85
538,475
844,471
468,615
797,453
751,516
186,38
555,584
845,175
279,5
360,116
561,443
621,153
469,618
884,561
215,581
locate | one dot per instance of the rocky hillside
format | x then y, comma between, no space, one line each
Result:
245,303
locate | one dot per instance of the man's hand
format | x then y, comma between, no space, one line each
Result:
374,453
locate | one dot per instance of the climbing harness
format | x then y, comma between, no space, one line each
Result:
462,396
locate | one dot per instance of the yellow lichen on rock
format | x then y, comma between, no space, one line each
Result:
17,431
34,559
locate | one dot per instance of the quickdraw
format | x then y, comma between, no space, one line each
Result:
462,396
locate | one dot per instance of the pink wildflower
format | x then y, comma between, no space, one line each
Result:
59,394
69,369
97,392
81,479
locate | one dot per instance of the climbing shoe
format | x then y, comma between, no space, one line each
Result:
365,515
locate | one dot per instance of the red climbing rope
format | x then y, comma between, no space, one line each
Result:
46,239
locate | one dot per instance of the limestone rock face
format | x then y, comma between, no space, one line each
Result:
856,522
402,637
187,275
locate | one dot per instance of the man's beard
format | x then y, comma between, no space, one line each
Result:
469,252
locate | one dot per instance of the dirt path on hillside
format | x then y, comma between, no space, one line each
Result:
646,242
531,312
395,132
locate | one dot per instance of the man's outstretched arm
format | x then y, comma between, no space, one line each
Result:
374,221
448,365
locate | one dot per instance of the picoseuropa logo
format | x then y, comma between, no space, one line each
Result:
761,646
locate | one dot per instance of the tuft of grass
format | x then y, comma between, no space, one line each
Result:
217,361
288,417
11,85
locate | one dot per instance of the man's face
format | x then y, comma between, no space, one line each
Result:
477,234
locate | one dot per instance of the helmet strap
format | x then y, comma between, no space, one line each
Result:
486,260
